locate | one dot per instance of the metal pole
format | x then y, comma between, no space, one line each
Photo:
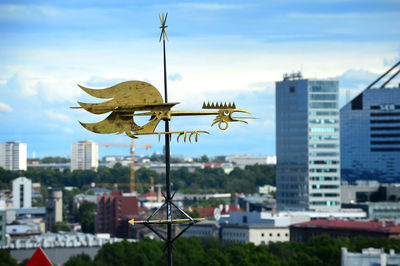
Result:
167,168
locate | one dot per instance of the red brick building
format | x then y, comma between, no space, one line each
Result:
343,228
114,211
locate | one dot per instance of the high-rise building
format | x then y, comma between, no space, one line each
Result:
13,155
370,133
307,144
22,193
113,213
84,155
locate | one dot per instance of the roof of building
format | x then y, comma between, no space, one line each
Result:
209,211
98,190
371,226
148,194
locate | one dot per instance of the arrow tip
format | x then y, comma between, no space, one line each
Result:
132,222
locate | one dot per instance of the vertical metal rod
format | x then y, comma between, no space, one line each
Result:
167,168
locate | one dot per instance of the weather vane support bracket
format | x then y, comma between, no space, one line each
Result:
131,99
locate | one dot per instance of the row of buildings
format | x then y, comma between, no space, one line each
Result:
18,216
318,144
84,155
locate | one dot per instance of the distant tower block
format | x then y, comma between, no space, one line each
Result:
159,197
13,155
307,144
347,96
84,155
22,193
57,198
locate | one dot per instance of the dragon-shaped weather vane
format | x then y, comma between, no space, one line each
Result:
131,99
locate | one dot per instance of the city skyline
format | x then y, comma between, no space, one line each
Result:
217,52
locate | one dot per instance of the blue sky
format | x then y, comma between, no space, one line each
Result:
218,51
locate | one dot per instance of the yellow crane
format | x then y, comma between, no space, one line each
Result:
132,158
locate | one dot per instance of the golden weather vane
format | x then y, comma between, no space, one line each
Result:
131,99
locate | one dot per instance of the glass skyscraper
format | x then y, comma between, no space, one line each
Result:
307,144
370,136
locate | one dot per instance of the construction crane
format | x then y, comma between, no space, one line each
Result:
132,158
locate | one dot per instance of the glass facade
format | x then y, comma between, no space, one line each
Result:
370,136
307,144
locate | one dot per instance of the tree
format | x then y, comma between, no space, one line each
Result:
211,202
60,226
79,260
144,252
6,259
86,216
204,159
56,159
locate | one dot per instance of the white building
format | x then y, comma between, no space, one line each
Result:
242,160
256,234
369,257
84,155
204,229
307,144
22,193
13,156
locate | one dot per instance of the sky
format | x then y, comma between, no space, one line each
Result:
217,51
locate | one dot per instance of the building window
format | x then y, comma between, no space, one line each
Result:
323,89
324,129
270,234
323,105
323,97
292,89
244,219
262,234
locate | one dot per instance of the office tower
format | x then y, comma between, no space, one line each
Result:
84,155
13,155
113,213
370,133
22,193
307,144
54,208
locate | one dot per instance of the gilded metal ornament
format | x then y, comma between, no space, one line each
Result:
131,99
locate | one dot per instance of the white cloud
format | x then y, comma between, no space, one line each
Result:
208,6
57,116
5,107
58,91
21,84
103,82
356,78
175,77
